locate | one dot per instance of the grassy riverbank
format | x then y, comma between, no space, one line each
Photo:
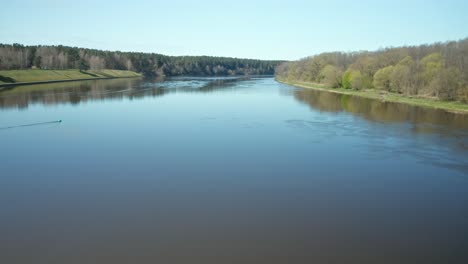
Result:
454,107
37,75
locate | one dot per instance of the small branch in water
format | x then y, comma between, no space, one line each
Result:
33,124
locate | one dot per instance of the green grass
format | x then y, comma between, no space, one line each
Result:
450,106
116,73
36,75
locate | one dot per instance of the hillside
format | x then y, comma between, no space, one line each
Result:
20,57
436,71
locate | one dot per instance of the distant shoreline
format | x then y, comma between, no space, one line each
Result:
452,107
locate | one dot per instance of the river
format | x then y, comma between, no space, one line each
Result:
227,170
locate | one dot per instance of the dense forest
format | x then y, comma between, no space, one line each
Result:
437,70
17,56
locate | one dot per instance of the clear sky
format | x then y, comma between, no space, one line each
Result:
288,29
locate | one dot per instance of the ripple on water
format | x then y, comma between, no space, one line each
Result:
385,141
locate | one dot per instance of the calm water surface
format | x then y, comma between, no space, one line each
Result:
227,170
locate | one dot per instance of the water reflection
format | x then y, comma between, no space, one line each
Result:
396,130
114,89
234,172
425,120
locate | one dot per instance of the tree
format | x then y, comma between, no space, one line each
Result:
382,78
83,66
61,57
357,80
331,76
73,57
31,57
402,76
38,61
439,69
281,70
352,79
346,81
431,66
445,84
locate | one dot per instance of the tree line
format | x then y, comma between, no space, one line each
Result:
437,70
17,56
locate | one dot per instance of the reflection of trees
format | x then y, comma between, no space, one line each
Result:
70,92
376,110
321,101
96,90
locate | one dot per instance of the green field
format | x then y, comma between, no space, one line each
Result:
450,106
25,76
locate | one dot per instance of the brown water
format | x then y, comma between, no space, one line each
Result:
203,170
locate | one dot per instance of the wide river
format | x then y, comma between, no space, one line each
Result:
227,170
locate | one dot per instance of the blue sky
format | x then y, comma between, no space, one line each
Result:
288,29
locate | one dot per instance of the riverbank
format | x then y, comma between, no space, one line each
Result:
453,107
38,76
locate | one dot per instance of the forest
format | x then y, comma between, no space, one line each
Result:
17,57
438,70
